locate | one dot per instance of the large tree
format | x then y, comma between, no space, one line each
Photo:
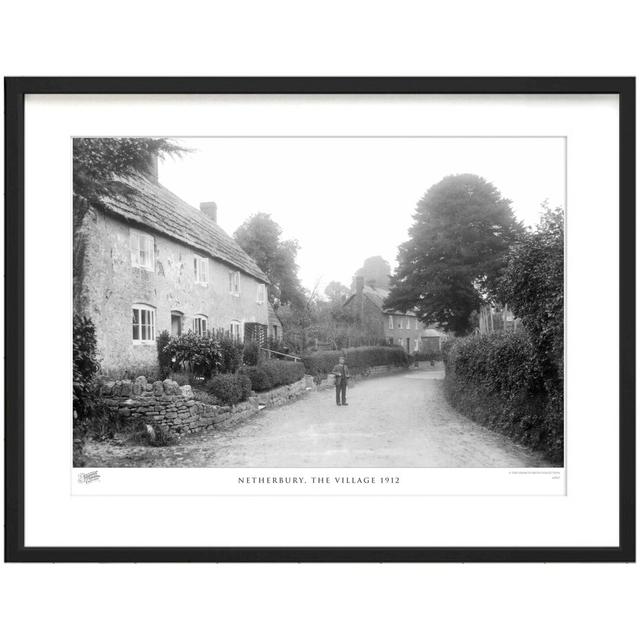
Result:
98,162
533,287
260,237
376,272
336,292
99,165
457,249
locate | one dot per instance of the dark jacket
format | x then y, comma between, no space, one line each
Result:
341,373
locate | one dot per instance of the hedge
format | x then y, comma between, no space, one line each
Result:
499,381
358,359
229,388
273,373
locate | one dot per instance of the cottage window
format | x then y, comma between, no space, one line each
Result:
408,323
390,322
234,283
143,324
201,269
200,325
417,324
261,293
234,330
141,245
275,332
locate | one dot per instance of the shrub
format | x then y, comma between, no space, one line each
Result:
274,373
427,356
499,381
182,378
156,435
230,353
164,356
200,355
282,372
85,368
131,373
251,354
229,388
358,359
260,380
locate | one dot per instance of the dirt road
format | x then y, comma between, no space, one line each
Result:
395,421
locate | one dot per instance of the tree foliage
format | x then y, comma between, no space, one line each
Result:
259,236
336,292
97,162
456,252
533,286
86,366
376,273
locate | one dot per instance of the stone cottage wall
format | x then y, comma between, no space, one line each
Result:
106,285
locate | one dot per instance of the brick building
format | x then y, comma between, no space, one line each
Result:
146,261
393,327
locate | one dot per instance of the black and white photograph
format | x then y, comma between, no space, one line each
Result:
319,302
287,326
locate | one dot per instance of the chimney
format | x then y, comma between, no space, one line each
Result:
210,209
359,284
152,168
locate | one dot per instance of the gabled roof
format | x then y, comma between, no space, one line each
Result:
377,295
152,205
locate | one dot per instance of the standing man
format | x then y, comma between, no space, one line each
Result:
341,375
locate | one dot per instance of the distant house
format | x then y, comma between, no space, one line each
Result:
147,262
391,327
274,325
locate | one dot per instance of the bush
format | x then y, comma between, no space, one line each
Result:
499,381
156,435
251,354
85,368
230,353
229,388
182,378
282,372
260,380
358,359
164,355
200,355
274,373
426,356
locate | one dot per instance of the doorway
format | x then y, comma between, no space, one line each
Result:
176,323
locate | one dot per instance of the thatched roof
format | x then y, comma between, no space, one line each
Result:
148,203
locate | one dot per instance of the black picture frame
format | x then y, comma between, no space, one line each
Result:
15,91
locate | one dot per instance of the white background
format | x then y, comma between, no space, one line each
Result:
488,38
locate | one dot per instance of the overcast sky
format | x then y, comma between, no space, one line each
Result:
345,199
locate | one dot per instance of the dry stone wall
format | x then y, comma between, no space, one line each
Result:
166,405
